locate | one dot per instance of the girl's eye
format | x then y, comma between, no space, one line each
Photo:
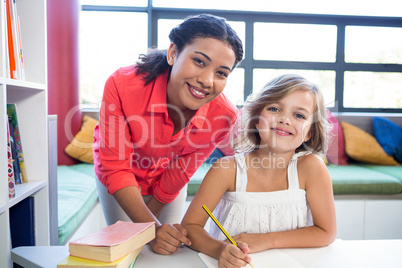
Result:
273,109
300,116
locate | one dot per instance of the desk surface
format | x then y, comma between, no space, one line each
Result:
342,253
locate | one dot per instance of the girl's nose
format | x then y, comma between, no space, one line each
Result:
283,119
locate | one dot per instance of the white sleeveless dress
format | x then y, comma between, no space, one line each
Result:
262,212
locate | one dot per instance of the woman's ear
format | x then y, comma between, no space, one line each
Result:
171,54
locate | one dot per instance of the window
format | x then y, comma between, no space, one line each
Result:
105,47
351,50
294,42
366,44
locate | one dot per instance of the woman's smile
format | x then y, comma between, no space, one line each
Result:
197,92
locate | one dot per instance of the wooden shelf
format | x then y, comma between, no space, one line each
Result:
24,85
30,97
25,190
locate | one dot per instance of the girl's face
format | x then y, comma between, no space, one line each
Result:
285,125
199,73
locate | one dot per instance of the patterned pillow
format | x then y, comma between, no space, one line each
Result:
81,146
389,136
336,147
363,147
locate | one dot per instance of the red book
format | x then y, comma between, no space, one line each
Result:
10,168
113,242
10,42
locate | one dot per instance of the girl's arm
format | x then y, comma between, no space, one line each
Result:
314,174
219,179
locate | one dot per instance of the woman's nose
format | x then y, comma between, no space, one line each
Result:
205,79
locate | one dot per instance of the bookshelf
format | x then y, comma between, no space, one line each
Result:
30,97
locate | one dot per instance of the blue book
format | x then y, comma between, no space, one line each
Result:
22,223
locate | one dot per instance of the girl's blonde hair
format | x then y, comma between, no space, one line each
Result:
278,88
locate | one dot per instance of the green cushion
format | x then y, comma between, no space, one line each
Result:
394,171
84,168
197,178
356,179
77,195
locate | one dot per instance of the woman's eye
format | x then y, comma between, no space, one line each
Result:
273,109
198,61
223,74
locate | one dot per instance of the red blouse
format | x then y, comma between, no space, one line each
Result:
136,147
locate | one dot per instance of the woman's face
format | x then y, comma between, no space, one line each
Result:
199,73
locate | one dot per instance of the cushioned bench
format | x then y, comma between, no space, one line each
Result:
77,194
351,179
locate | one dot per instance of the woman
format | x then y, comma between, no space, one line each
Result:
159,121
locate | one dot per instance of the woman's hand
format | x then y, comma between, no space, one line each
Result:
232,256
169,238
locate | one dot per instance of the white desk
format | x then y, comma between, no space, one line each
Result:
340,254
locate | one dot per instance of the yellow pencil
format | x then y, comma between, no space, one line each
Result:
221,228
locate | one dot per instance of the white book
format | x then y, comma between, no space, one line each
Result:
273,258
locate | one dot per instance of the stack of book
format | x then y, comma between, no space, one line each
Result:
117,245
16,166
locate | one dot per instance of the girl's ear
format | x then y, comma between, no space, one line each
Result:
171,53
308,136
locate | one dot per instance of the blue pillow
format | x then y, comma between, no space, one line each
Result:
215,155
389,136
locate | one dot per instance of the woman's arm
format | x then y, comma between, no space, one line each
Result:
314,175
219,179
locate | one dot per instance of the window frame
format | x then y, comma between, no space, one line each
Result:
249,64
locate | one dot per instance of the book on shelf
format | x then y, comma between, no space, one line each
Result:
22,223
10,169
12,113
15,64
124,262
16,165
113,242
12,65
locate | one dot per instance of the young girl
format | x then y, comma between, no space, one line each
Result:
276,192
159,121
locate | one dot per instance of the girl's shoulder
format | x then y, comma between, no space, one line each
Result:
225,164
310,159
311,167
224,171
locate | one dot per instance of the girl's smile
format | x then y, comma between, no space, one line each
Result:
281,131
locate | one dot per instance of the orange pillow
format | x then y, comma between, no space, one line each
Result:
81,146
363,147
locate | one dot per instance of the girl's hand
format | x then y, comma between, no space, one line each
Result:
255,242
169,238
232,256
